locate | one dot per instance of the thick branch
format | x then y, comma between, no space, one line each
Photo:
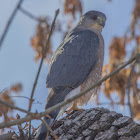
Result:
9,22
51,109
96,124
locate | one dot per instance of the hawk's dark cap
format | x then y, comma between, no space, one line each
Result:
89,13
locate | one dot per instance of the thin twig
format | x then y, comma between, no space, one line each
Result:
20,97
9,22
20,128
40,66
59,105
28,14
14,107
128,87
49,129
37,102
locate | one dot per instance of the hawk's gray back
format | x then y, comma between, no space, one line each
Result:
74,59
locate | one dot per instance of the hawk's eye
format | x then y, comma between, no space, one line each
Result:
94,17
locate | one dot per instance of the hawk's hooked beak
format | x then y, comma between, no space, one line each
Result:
102,22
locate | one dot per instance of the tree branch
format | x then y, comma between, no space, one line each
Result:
28,14
20,97
51,109
50,130
96,124
14,107
9,22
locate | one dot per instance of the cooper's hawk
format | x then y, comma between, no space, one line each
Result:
75,65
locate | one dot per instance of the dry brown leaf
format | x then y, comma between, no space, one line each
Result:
26,125
136,11
117,50
136,107
6,96
72,6
16,88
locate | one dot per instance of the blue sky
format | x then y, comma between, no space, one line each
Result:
17,56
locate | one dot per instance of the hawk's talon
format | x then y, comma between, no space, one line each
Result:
74,107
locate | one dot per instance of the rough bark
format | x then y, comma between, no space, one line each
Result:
96,124
93,124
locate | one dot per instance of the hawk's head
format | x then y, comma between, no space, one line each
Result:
93,19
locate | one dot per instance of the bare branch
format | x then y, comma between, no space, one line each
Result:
20,97
9,22
28,14
20,128
37,102
14,107
51,109
50,130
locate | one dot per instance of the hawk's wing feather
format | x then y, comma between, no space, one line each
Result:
73,60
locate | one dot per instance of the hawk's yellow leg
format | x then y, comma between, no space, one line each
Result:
73,107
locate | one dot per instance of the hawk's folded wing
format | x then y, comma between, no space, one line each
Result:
73,60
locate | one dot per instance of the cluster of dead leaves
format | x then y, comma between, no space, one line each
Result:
39,40
117,53
6,96
72,6
136,11
119,82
